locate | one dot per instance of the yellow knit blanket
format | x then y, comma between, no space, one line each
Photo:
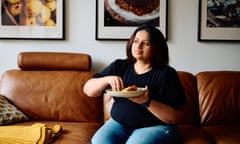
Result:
37,133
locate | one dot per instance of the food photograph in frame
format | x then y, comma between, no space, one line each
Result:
117,19
219,20
32,19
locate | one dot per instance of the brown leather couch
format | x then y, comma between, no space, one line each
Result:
48,88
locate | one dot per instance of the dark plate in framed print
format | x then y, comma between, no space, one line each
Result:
116,23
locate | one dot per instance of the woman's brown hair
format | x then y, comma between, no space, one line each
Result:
158,43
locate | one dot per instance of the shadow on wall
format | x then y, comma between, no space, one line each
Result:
98,66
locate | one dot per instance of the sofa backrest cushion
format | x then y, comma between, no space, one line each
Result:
219,97
52,94
54,61
191,109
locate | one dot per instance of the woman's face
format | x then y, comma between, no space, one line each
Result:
141,47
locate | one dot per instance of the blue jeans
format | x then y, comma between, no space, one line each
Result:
113,132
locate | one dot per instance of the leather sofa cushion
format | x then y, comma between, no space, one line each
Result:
191,109
191,134
224,134
54,61
52,95
219,97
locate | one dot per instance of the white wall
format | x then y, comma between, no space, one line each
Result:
186,53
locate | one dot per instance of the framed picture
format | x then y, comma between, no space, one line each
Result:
117,19
32,19
219,20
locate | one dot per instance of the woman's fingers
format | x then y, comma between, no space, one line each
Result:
116,83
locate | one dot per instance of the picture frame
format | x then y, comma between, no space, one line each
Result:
115,23
32,20
218,21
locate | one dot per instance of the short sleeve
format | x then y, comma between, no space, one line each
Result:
115,68
107,71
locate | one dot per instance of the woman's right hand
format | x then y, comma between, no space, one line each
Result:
115,82
95,86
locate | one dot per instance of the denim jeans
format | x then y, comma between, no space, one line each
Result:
113,132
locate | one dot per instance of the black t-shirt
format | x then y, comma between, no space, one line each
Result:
163,84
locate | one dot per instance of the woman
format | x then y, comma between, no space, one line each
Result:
152,117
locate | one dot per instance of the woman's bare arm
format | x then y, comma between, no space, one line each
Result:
95,86
162,111
165,112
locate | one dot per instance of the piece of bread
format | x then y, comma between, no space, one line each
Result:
130,88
